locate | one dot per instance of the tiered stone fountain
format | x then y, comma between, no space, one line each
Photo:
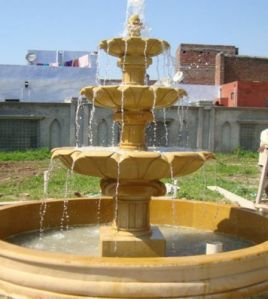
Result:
130,176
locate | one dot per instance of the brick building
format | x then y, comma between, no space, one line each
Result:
240,68
198,62
243,80
244,94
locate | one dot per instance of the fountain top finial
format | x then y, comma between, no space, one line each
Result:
134,26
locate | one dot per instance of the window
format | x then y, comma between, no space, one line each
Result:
250,136
18,134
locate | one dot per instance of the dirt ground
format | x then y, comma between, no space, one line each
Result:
14,173
21,169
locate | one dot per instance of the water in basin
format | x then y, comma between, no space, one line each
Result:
84,240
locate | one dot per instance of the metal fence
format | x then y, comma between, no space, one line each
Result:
18,134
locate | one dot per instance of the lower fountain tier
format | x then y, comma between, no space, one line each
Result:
133,97
113,163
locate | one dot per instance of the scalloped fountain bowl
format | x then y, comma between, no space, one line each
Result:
136,45
136,98
134,165
28,273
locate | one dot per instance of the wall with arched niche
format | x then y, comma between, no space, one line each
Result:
226,133
55,134
102,133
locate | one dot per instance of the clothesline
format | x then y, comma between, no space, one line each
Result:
83,62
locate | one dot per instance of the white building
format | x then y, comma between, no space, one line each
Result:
46,78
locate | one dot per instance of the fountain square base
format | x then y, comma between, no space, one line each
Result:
113,243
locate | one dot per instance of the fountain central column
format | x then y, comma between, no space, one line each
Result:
131,234
133,124
131,188
134,69
132,198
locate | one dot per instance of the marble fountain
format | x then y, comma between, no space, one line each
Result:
133,261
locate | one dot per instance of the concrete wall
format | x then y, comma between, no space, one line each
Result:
49,117
213,128
59,124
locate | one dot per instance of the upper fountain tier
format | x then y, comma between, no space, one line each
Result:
134,52
135,55
134,44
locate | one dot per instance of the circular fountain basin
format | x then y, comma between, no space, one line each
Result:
133,165
134,98
28,273
84,240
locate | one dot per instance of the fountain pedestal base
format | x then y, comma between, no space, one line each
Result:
115,243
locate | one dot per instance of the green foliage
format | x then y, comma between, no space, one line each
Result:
245,154
237,172
29,155
61,183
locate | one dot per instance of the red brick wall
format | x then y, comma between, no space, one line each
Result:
197,62
219,69
229,92
241,68
244,94
252,94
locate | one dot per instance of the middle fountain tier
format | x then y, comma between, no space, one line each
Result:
130,173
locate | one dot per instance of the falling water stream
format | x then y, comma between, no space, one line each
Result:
92,113
77,121
183,123
164,66
157,69
165,126
107,66
113,133
98,81
43,206
146,80
154,117
64,223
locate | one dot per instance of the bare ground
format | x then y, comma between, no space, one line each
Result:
20,170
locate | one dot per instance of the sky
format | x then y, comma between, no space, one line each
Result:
81,24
